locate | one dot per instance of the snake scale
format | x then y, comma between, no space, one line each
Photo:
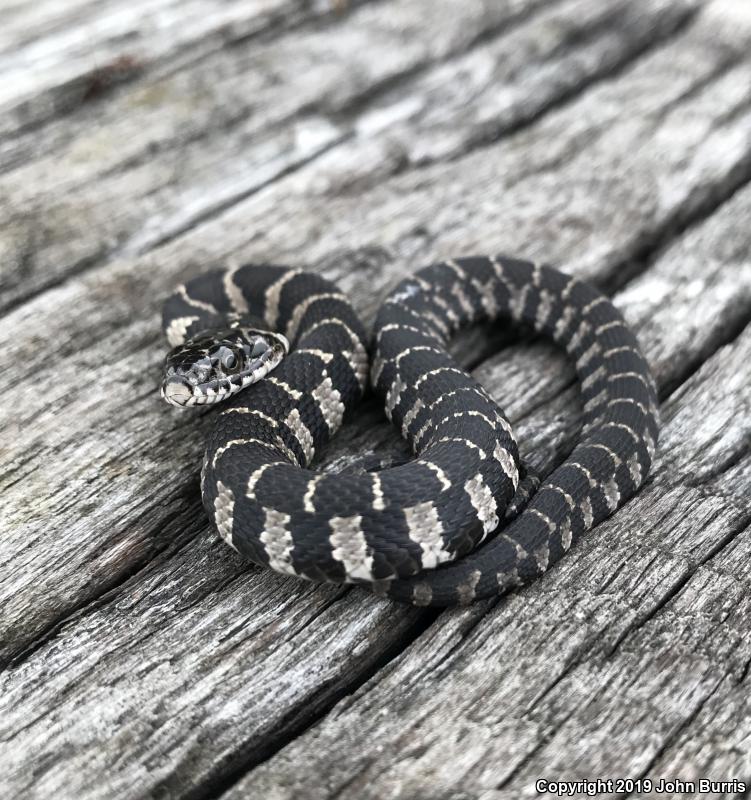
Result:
430,531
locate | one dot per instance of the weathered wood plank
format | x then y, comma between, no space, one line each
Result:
23,23
194,647
62,55
185,144
176,589
203,138
271,77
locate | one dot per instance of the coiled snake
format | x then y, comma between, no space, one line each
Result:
411,531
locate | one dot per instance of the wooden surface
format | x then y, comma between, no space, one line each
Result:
141,142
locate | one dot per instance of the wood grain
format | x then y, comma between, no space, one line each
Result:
141,657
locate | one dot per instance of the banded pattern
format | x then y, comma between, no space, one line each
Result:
393,529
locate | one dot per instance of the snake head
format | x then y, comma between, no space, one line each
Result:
212,365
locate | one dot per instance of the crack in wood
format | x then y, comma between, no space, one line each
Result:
670,740
289,728
661,36
678,586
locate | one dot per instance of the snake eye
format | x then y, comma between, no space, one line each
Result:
224,359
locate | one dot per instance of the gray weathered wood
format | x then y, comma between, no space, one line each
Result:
142,657
61,55
215,132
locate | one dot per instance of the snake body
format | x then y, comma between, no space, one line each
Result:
428,532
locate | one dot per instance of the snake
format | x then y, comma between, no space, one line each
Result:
287,356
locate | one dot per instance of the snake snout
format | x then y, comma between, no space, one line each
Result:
176,391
